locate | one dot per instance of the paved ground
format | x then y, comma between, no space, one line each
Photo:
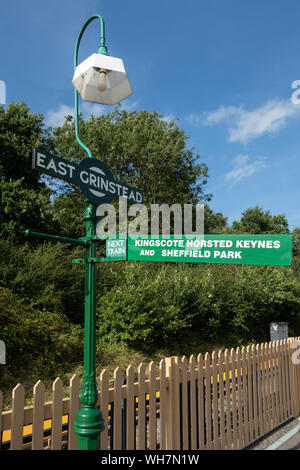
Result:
286,437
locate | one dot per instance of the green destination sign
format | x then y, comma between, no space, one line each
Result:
95,179
273,250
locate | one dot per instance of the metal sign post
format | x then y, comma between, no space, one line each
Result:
99,186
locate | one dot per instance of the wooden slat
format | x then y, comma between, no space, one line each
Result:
234,398
293,375
175,403
254,388
38,416
152,406
281,384
130,412
201,414
18,396
264,388
228,401
57,413
222,400
287,380
245,396
184,407
162,404
250,396
117,420
239,400
169,404
280,381
259,365
193,417
104,386
141,435
272,386
208,401
267,387
276,383
74,407
215,404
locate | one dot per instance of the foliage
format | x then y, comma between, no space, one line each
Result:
22,208
214,222
148,307
255,220
21,131
153,305
37,343
43,276
141,150
25,200
144,306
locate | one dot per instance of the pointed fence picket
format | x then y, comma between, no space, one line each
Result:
224,400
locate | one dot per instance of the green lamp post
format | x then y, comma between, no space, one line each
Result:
99,79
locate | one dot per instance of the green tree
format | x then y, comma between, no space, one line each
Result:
255,221
25,199
21,131
141,150
296,253
214,222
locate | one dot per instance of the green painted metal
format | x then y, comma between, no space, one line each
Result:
95,260
54,238
89,422
101,50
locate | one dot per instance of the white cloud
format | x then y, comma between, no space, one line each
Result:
168,118
224,113
88,109
247,125
129,106
243,168
55,118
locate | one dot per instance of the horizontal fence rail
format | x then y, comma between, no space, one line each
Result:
224,400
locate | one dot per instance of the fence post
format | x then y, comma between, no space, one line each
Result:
294,375
173,402
169,405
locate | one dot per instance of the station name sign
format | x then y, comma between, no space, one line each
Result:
95,179
229,249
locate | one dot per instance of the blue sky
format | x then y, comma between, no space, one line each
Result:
222,68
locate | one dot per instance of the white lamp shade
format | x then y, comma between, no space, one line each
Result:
86,78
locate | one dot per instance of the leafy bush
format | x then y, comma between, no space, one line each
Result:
37,343
148,307
43,277
153,304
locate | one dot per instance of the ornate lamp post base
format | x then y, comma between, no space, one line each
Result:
88,425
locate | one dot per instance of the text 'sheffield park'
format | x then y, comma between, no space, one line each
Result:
235,249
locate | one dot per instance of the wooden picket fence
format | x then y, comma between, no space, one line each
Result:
226,400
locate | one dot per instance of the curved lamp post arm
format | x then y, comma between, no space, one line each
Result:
101,50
